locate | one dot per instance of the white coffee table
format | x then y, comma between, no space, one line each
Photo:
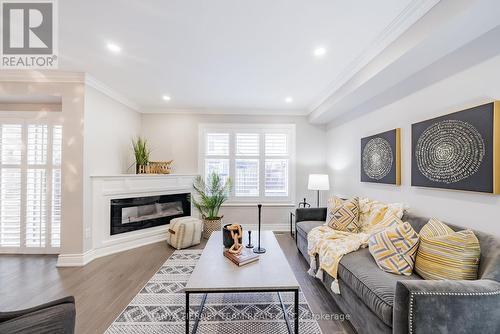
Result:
214,273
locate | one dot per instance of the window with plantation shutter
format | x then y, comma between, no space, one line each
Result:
258,158
30,186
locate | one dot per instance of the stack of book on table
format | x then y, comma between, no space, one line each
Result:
246,256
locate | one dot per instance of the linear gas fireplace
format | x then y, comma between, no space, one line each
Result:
131,214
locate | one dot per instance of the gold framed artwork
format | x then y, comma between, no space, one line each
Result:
458,151
381,158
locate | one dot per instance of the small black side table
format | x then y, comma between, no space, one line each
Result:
303,204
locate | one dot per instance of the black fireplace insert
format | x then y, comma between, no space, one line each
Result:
131,214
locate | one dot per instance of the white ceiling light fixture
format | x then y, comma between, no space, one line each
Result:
319,51
288,99
166,98
114,48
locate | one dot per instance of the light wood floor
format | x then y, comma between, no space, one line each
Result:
104,287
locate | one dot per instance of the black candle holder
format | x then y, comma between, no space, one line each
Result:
259,250
249,240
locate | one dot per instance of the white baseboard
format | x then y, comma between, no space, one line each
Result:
79,260
75,260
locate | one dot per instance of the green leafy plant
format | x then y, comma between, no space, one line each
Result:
212,193
141,151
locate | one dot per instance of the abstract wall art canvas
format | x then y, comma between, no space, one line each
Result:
381,158
458,151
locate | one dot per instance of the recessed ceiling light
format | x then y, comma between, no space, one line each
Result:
319,51
166,97
114,48
288,99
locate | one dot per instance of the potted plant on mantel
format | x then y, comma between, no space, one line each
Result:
141,152
211,194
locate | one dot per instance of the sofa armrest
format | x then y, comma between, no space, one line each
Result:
431,306
5,316
314,214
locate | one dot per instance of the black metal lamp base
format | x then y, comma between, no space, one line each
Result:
249,246
259,250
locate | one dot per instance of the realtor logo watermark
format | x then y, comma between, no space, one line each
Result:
29,34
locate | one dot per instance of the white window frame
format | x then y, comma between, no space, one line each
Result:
26,118
261,129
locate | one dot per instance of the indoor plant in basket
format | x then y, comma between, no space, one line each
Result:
141,153
211,193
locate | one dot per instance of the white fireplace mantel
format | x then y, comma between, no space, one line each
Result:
107,187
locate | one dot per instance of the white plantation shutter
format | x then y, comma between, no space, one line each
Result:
12,144
30,186
247,144
276,183
276,144
56,208
56,145
247,177
11,147
217,144
35,208
56,186
37,144
10,207
219,166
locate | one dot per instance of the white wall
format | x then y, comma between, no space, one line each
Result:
477,85
175,136
109,128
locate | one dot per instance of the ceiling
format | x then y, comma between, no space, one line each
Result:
224,55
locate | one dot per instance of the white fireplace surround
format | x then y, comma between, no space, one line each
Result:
106,188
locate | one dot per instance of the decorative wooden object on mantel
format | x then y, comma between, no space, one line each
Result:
155,167
160,167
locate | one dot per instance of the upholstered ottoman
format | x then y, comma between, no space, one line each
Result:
184,232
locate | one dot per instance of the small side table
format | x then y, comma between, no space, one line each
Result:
292,216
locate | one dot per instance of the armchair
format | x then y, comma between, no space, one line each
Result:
55,317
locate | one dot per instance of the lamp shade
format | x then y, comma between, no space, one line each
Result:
318,182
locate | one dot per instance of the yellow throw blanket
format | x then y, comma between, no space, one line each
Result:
331,245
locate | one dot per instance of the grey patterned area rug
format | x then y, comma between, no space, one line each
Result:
159,306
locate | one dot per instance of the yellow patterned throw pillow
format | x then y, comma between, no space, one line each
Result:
371,212
343,215
394,249
446,254
390,220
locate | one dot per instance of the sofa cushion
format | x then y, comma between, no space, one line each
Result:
372,285
304,227
394,249
343,215
371,212
446,254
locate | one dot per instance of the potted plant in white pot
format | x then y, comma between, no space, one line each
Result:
211,194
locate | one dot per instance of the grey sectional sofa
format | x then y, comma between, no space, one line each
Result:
380,302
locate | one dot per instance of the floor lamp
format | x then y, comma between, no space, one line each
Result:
318,182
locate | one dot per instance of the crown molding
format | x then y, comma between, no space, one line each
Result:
409,16
227,111
42,76
55,76
105,89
